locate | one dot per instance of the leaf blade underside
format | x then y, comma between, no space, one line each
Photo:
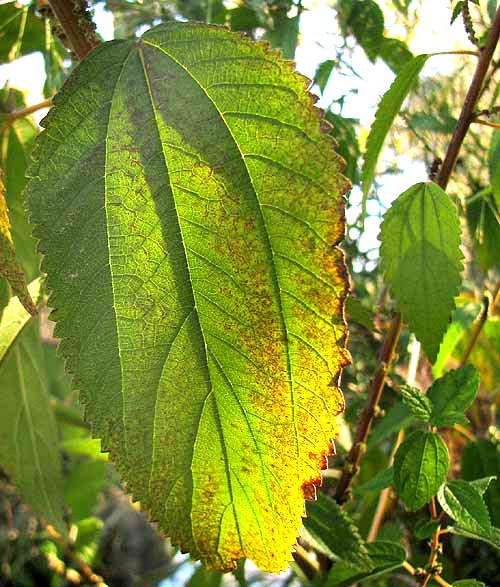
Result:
195,225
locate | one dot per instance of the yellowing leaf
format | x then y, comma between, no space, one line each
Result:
10,269
189,207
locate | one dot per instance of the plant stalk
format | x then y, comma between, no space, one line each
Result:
78,28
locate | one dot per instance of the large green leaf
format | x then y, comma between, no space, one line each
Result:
422,261
28,439
420,467
387,111
187,204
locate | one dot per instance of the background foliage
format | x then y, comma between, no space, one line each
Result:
432,457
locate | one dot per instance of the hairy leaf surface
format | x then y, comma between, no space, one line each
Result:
422,261
188,208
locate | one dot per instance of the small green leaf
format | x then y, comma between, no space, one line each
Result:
418,403
452,394
422,261
385,558
387,111
468,583
420,467
359,313
329,529
322,74
380,481
463,503
491,536
395,53
456,11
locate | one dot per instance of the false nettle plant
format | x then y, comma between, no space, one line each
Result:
188,206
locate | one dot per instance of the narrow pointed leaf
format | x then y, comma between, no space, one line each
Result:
187,204
418,403
422,261
387,111
420,467
28,438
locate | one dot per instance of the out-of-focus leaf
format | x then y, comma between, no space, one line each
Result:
89,447
398,417
387,111
243,18
420,467
330,529
285,34
417,402
16,139
357,312
21,32
484,225
461,320
28,437
87,538
481,459
485,355
367,25
213,296
385,558
494,166
82,486
492,8
425,529
205,578
452,394
422,262
395,53
382,480
344,132
10,268
322,74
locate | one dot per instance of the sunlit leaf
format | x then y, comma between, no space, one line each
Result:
418,403
186,199
422,261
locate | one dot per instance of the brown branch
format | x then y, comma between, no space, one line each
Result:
376,387
22,112
76,24
467,114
